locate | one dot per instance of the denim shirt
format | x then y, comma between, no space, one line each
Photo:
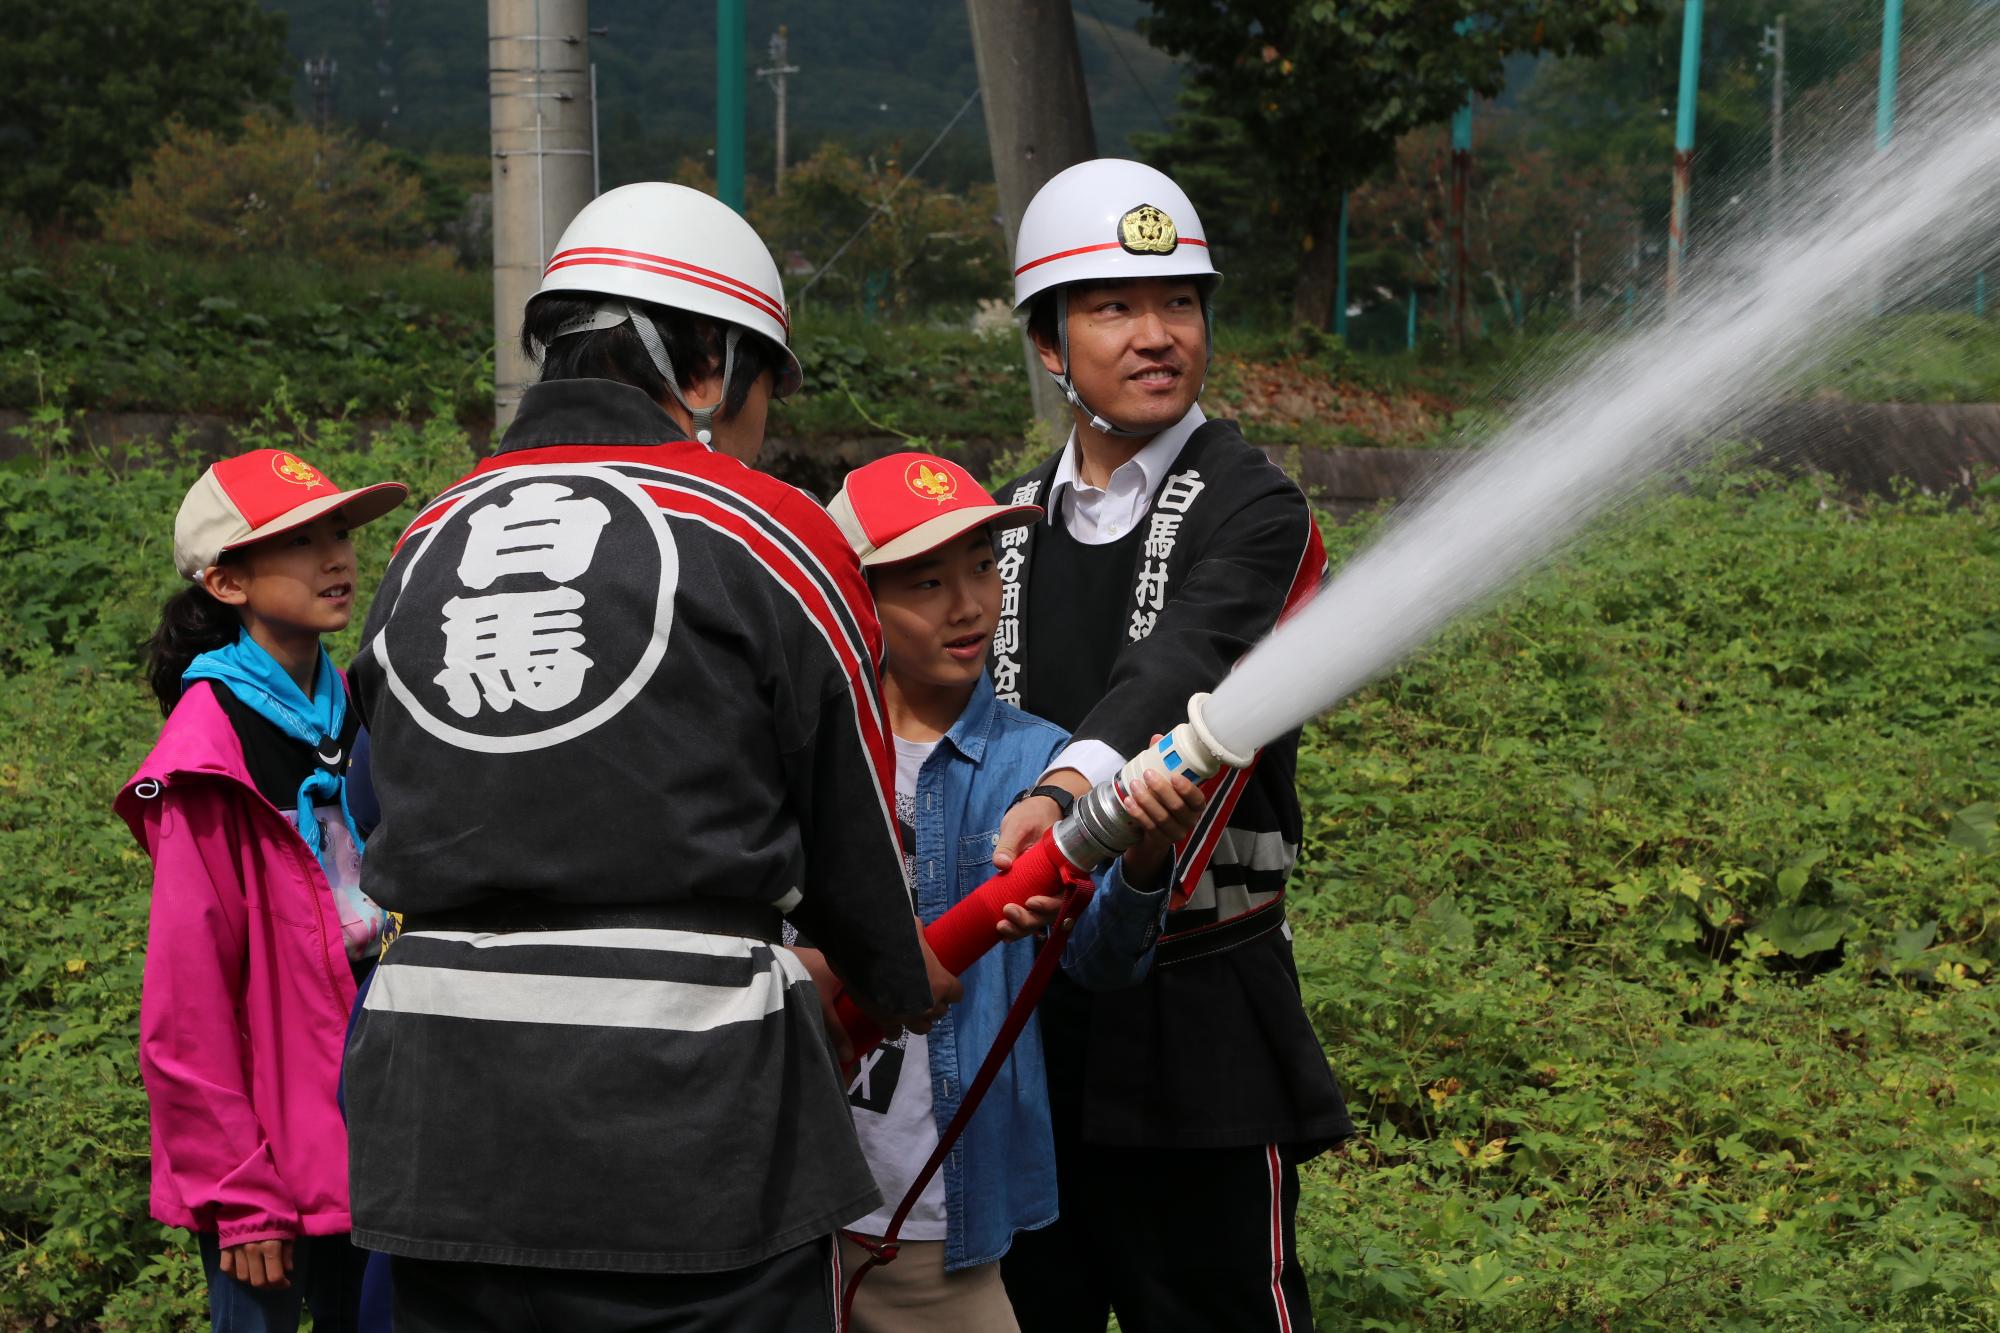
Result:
1001,1177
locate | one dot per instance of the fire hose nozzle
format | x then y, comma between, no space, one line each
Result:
1098,828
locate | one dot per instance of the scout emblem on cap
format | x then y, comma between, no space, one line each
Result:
929,483
294,469
1147,230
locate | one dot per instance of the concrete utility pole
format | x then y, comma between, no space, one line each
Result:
538,84
729,64
1774,47
1683,145
775,74
1037,121
320,72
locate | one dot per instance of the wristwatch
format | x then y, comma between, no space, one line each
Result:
1063,799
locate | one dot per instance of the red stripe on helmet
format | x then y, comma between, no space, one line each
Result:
1091,249
672,268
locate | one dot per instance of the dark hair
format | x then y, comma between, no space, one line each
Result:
1042,318
1042,309
694,346
191,623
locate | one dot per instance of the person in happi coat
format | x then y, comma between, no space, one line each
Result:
624,715
1183,1106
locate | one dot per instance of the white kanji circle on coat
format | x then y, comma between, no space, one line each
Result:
534,610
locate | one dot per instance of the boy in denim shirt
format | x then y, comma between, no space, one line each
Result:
923,528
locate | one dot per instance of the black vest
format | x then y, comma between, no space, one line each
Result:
1077,594
1214,1049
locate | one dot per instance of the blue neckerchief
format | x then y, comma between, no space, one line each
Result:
269,691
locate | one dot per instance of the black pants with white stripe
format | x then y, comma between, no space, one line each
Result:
797,1291
1194,1239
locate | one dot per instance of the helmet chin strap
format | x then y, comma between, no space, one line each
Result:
1097,420
610,314
701,419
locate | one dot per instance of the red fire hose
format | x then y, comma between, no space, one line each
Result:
958,938
970,928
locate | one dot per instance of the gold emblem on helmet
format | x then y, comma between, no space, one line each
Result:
1147,230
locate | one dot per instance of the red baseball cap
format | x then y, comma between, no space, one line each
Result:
261,494
899,507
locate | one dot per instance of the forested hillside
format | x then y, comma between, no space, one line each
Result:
872,72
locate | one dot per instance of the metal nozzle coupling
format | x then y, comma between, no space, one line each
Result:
1098,828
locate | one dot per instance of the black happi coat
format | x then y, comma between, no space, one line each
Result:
1214,1049
621,690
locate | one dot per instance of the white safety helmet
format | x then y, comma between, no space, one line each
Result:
671,246
1107,219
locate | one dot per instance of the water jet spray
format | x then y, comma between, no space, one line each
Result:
1580,448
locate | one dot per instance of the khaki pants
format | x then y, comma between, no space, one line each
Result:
915,1295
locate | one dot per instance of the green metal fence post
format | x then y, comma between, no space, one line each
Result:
1410,334
730,64
1892,59
1684,143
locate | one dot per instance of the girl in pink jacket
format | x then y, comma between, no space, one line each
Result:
259,930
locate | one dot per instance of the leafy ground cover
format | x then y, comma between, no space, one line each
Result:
1921,358
103,328
114,329
1648,919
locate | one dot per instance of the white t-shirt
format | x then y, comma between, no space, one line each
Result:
891,1093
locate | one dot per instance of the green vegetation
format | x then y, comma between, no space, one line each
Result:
87,90
114,329
94,327
1928,358
1648,919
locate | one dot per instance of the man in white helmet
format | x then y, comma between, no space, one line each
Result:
1183,1106
621,690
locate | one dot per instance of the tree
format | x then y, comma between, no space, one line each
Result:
277,188
1323,90
1618,110
1528,215
87,89
1208,155
925,246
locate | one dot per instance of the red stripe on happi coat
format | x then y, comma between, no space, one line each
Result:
785,567
1226,788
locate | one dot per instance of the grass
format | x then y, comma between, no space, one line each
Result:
1648,919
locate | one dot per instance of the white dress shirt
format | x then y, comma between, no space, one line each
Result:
1095,515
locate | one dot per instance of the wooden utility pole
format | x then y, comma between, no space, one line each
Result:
775,74
1576,273
1461,177
1037,121
538,83
1774,47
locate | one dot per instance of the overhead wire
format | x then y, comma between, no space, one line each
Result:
1119,51
883,207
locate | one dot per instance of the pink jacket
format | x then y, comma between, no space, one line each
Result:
247,993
